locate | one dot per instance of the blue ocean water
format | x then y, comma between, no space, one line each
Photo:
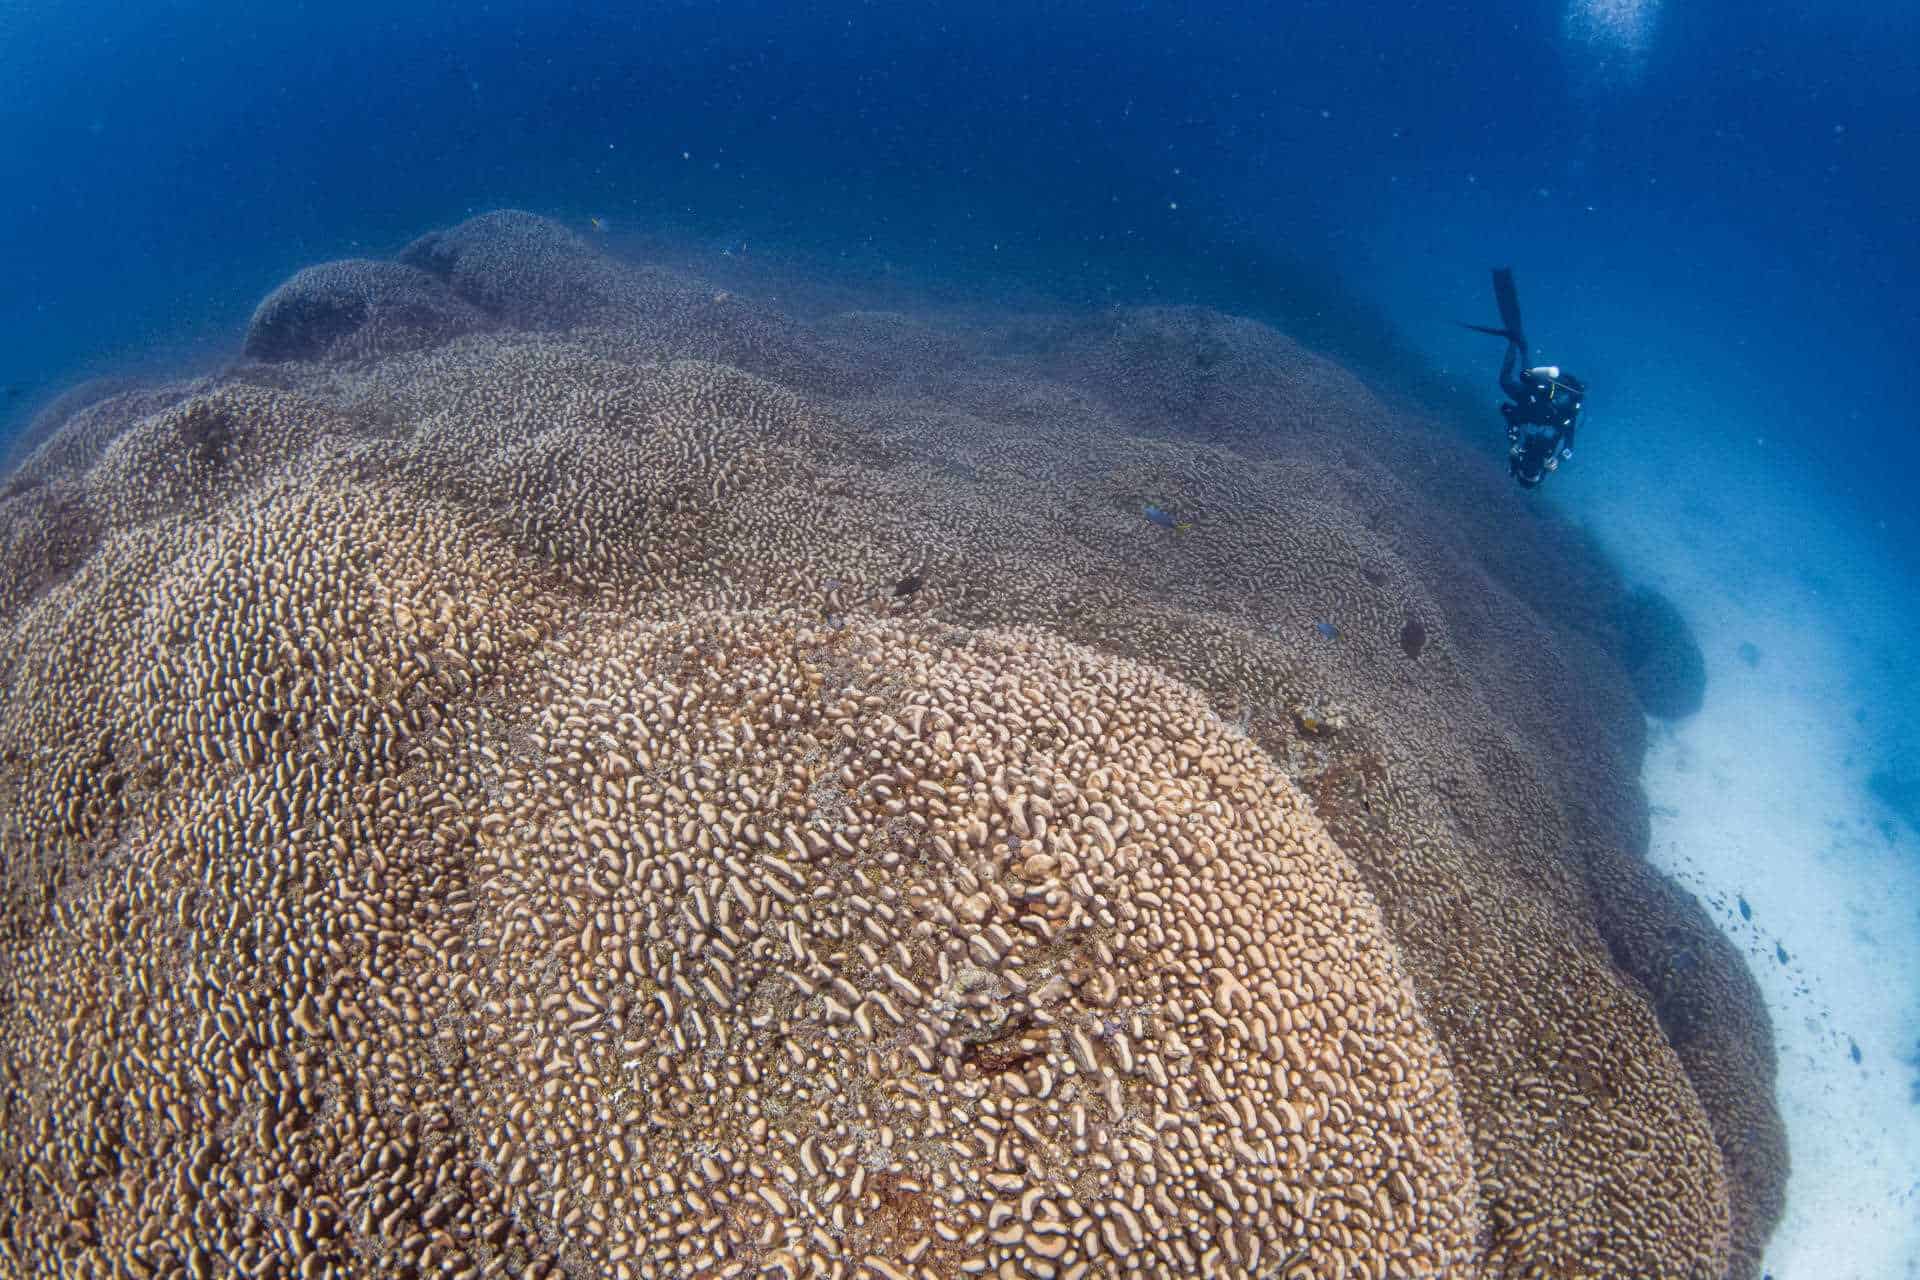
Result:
1711,208
1721,187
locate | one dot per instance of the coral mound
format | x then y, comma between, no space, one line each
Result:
1661,656
623,783
356,310
894,941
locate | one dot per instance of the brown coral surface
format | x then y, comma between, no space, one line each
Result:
473,800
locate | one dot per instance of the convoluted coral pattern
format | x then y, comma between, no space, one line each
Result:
620,783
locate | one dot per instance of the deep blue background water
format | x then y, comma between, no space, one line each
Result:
1711,206
1749,184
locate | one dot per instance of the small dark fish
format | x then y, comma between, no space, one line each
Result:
1780,951
1164,518
1413,637
1746,912
1327,629
1853,1049
14,391
908,585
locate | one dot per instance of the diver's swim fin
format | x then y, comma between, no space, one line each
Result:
1509,299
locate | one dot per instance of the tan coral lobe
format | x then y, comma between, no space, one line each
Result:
471,803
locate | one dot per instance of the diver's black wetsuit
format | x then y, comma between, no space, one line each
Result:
1542,418
1546,405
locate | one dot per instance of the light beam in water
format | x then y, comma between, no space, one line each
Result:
1612,36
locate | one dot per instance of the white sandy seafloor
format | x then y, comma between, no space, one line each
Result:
1763,793
1762,796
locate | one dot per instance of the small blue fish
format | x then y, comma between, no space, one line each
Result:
1746,912
1165,519
1327,629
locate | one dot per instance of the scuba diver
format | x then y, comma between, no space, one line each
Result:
1546,402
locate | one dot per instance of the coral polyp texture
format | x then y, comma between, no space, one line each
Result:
550,768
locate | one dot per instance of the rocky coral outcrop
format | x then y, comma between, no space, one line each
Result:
1661,656
356,309
533,274
494,805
